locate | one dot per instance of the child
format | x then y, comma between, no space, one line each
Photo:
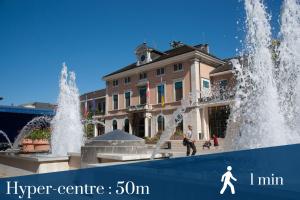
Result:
215,138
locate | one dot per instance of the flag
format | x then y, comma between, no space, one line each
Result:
86,112
148,92
162,92
162,95
94,106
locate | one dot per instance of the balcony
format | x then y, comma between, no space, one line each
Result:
140,107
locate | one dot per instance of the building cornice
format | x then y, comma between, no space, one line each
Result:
190,55
222,73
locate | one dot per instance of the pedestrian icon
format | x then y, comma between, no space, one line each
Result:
226,179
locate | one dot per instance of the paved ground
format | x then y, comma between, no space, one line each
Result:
7,171
178,150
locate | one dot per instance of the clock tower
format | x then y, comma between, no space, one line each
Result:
143,54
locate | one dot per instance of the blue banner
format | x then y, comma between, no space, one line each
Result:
268,173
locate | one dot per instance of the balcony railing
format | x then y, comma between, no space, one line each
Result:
216,95
139,107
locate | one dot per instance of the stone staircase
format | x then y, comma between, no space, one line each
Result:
178,149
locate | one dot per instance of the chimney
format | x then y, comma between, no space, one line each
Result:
175,44
203,47
206,48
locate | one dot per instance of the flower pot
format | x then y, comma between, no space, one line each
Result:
28,148
40,141
26,141
27,145
42,147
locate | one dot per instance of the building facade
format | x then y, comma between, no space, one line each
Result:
142,97
93,105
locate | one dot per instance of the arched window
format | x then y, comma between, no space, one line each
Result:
115,124
160,123
126,125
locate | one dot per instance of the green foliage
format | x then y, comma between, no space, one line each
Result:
178,133
152,140
89,130
38,134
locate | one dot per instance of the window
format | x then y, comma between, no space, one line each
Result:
107,83
101,107
160,93
143,96
223,85
143,76
160,123
116,101
178,67
127,99
127,80
115,83
126,125
160,71
178,90
115,124
205,84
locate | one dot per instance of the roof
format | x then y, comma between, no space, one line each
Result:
23,110
222,68
167,54
116,135
227,66
39,105
93,94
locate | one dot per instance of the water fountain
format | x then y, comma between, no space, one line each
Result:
6,137
190,100
288,62
36,123
67,129
263,98
66,136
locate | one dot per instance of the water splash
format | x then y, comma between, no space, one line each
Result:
6,137
40,122
177,117
288,62
67,130
257,118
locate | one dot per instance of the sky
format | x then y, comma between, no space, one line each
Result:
96,37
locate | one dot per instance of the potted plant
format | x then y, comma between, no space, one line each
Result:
41,139
27,144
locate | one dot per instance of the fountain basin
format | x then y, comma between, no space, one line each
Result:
116,146
33,163
111,157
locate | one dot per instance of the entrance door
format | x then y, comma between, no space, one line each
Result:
138,124
218,117
141,132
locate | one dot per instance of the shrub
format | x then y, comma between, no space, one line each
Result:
38,134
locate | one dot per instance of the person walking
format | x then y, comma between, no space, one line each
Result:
190,142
